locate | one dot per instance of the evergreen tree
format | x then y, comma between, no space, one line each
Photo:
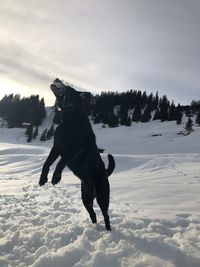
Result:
17,111
150,102
128,122
146,115
124,117
105,103
155,102
29,130
179,116
195,105
137,115
37,108
139,98
29,138
164,107
125,120
44,135
157,115
29,133
172,112
42,111
198,118
50,132
144,99
35,133
113,121
188,126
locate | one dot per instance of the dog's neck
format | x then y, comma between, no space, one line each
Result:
72,114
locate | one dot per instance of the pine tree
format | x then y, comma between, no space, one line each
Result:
155,101
198,118
139,98
188,126
137,115
44,135
157,115
125,120
179,116
150,102
124,116
17,111
35,134
128,122
144,99
29,133
146,115
29,138
172,112
164,107
29,130
42,110
50,132
113,121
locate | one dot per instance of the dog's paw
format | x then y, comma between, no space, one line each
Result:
108,228
42,181
93,218
56,179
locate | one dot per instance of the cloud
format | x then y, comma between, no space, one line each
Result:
103,45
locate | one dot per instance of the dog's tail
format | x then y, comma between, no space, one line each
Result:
111,165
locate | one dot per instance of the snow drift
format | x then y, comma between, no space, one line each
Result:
154,207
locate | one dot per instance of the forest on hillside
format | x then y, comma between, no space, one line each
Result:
133,106
16,110
114,109
109,108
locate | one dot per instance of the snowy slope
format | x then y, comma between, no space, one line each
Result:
154,207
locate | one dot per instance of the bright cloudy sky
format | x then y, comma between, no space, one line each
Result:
151,45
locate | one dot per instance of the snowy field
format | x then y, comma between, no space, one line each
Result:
154,205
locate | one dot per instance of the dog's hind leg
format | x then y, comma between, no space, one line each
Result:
102,189
87,195
58,171
53,155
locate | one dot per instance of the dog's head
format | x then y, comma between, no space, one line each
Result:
67,95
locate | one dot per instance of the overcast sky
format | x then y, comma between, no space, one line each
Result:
151,45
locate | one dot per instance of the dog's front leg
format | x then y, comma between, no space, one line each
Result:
53,155
58,171
67,159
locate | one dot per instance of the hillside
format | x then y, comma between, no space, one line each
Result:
154,208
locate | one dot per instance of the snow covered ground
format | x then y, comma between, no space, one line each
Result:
154,206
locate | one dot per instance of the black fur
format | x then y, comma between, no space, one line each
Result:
74,142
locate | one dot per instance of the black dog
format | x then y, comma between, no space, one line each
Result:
74,142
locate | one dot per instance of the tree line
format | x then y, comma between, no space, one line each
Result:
109,108
32,133
16,110
116,109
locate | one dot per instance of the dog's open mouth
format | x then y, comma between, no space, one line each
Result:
59,88
66,94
